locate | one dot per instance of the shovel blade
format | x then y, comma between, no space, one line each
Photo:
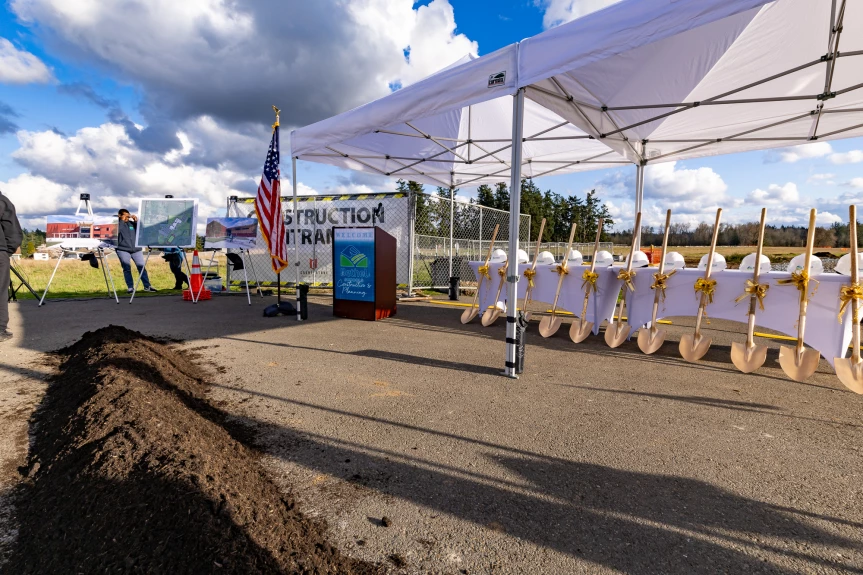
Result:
692,350
580,330
649,340
850,373
616,334
798,368
549,326
490,316
469,314
746,359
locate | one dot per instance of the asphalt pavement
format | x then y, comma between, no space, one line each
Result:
594,461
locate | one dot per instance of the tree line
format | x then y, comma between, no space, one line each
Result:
432,217
683,234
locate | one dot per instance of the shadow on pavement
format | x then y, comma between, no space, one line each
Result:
629,521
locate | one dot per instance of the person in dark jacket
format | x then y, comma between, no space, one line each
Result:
175,258
127,252
10,241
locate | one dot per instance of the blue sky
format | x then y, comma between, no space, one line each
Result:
167,106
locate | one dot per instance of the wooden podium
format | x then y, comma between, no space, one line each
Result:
364,273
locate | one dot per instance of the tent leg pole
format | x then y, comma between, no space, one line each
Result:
514,210
639,199
451,224
296,221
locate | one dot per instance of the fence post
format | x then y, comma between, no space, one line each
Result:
451,226
412,216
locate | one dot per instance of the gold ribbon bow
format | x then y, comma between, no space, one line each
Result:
846,295
659,282
754,289
707,287
626,277
562,270
501,271
799,279
589,277
483,271
530,274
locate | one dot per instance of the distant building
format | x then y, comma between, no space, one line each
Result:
63,230
104,231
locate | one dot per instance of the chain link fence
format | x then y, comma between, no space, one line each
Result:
450,233
436,237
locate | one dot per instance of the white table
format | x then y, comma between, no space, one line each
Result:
571,298
782,303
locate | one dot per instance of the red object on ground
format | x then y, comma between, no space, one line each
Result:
196,281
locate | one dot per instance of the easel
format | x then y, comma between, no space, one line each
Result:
144,269
245,254
99,251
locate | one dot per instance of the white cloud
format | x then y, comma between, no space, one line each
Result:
560,11
104,162
232,60
852,157
826,179
776,195
693,195
856,183
797,153
21,67
825,218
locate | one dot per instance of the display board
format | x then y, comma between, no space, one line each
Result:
167,222
232,233
354,263
81,226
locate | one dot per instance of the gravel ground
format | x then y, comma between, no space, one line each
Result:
594,461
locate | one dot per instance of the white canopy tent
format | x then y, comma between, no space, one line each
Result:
642,81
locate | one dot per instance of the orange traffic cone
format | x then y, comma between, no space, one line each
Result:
196,282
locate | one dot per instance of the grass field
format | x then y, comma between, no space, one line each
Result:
78,279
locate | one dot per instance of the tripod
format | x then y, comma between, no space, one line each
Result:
22,282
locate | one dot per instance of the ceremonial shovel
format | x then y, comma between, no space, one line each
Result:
747,358
529,290
489,316
850,370
799,363
551,323
471,313
617,332
650,340
579,331
694,346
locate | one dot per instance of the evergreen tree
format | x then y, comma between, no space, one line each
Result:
484,196
501,196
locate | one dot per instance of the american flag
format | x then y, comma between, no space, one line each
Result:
268,205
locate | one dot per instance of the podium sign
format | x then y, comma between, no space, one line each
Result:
354,263
364,273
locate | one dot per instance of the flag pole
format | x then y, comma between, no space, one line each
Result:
279,273
278,308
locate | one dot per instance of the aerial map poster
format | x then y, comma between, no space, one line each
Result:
167,222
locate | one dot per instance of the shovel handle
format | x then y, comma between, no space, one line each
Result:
804,295
855,277
661,271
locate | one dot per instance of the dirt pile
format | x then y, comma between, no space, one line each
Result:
133,471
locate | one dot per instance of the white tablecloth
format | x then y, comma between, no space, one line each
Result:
782,304
571,298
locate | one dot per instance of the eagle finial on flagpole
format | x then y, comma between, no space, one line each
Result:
277,111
